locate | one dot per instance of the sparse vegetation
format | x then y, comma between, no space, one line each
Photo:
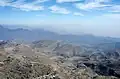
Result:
42,65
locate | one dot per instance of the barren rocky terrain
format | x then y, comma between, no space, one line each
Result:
48,59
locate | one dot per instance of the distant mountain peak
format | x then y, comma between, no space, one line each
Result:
6,33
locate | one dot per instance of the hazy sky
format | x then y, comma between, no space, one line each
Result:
98,17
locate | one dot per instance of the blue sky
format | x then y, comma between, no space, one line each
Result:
98,17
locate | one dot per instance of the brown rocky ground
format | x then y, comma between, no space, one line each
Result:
25,62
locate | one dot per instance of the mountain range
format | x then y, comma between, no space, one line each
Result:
40,34
68,55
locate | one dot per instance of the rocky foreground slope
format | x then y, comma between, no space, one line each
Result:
47,59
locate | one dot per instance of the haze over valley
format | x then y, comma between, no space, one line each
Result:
59,39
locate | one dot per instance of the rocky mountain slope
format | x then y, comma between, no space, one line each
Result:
49,59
